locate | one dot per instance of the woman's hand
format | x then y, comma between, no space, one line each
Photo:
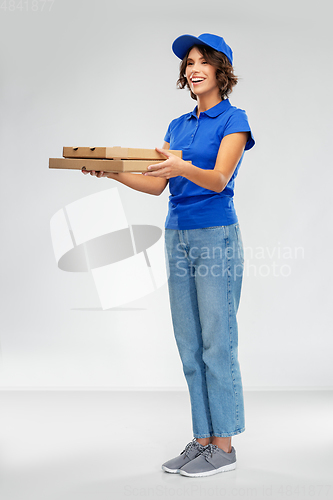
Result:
96,173
172,167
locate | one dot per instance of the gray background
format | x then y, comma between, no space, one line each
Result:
103,74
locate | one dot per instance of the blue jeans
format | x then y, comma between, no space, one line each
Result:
206,270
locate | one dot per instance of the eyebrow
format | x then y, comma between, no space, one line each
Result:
190,59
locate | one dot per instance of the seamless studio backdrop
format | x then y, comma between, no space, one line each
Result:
103,74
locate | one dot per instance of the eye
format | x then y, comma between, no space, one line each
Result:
188,63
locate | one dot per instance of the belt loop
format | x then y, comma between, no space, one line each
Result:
181,239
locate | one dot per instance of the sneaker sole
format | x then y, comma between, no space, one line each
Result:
172,471
225,468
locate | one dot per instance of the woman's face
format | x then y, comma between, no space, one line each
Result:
201,75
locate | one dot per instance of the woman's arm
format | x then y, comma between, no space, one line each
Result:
229,154
138,182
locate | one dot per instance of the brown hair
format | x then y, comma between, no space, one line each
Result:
224,71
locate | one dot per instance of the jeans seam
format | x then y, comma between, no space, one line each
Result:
240,244
230,338
209,412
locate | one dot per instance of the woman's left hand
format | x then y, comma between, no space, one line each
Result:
171,167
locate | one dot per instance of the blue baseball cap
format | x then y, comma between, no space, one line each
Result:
184,42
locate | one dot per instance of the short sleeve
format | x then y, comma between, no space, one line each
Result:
238,122
167,136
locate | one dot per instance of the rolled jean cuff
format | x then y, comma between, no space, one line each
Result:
230,433
202,436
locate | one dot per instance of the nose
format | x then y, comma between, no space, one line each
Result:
194,68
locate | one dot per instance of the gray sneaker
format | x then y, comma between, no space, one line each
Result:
192,450
211,461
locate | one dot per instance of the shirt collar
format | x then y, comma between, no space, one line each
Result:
213,112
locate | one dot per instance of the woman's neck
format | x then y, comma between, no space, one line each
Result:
207,102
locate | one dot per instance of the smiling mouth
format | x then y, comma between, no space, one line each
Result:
196,81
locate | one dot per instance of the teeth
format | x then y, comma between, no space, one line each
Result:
197,80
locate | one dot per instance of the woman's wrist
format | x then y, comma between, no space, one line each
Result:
186,169
112,175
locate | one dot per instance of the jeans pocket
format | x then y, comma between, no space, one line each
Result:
240,243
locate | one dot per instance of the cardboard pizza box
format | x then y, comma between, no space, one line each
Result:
116,153
102,165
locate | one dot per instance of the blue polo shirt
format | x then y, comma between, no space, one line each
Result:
192,206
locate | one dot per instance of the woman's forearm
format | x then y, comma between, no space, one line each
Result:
139,182
208,179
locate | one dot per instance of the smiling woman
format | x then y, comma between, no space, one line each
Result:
204,292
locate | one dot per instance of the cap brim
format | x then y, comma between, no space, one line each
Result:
184,42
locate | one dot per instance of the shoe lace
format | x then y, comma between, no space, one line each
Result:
209,450
193,444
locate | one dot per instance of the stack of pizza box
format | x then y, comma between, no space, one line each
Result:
113,159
